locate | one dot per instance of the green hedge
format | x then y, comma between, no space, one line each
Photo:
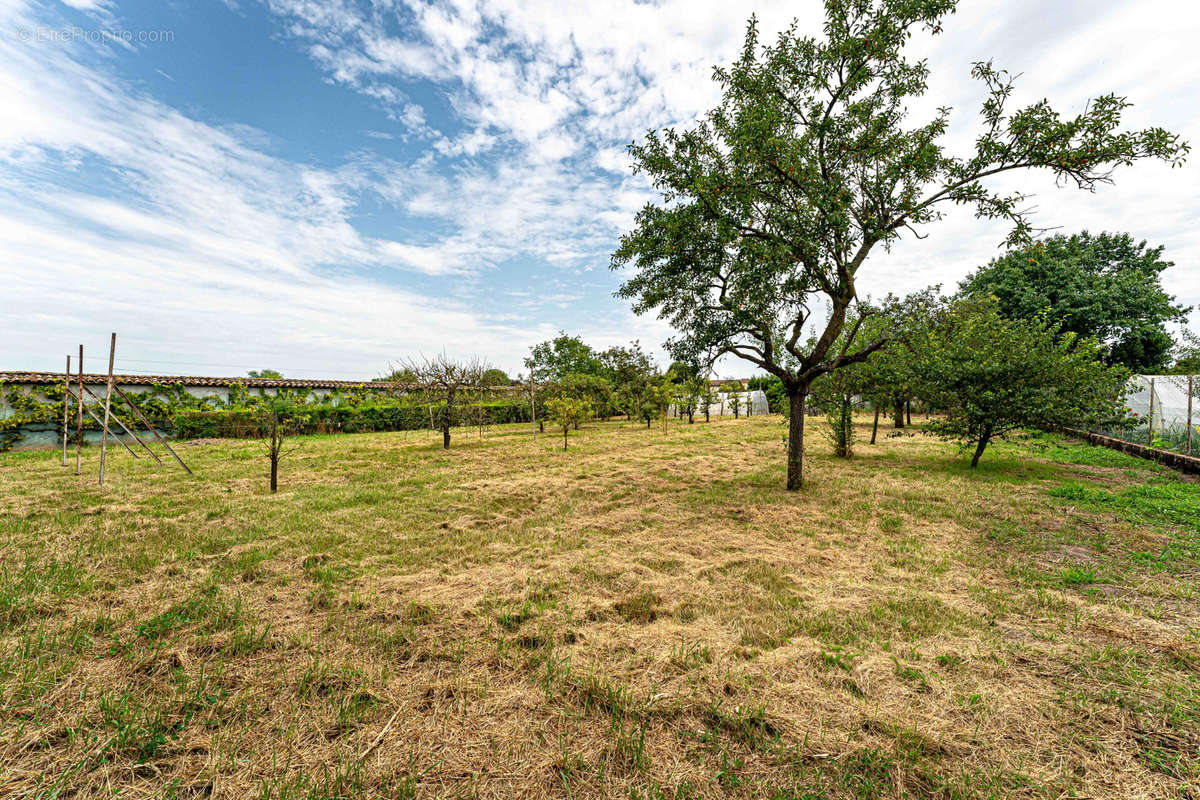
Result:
241,423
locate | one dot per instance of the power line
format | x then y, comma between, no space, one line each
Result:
129,371
226,366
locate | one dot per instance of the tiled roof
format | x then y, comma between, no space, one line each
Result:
191,380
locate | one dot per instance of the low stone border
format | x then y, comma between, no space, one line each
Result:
1174,460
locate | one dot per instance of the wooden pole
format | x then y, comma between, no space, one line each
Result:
112,353
137,413
79,422
124,427
1191,388
533,403
91,414
66,410
1150,417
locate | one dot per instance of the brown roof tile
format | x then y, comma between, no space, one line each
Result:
192,380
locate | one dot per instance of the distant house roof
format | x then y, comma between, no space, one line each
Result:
44,378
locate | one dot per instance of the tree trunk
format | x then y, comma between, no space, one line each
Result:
691,418
908,411
706,419
898,412
875,424
274,472
795,472
564,437
983,442
445,436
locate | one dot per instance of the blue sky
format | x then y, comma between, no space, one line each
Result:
324,187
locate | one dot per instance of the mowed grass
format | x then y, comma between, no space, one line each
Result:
646,615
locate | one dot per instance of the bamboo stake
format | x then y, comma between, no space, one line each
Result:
79,423
112,354
146,422
66,410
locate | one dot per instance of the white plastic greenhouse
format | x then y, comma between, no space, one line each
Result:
1163,402
755,401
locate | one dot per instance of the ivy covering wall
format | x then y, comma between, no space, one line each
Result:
171,408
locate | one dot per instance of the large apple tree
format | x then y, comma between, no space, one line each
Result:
774,200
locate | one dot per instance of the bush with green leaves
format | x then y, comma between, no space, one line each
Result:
659,398
566,412
1108,286
994,375
688,395
734,397
596,389
327,418
836,393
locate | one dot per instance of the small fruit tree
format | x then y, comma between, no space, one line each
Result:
993,375
733,394
568,412
277,420
444,383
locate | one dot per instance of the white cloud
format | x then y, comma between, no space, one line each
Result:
567,85
202,243
243,246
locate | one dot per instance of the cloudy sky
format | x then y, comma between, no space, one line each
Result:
322,187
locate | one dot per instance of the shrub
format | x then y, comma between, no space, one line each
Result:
248,423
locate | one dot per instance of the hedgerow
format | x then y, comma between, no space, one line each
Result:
171,408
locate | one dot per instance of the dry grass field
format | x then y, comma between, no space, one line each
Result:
646,615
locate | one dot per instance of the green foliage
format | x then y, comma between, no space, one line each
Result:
661,394
597,390
561,356
772,387
616,380
630,372
689,393
684,371
566,411
889,377
1185,359
841,426
44,407
265,373
1106,286
734,396
325,418
993,375
836,394
402,375
774,201
495,377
